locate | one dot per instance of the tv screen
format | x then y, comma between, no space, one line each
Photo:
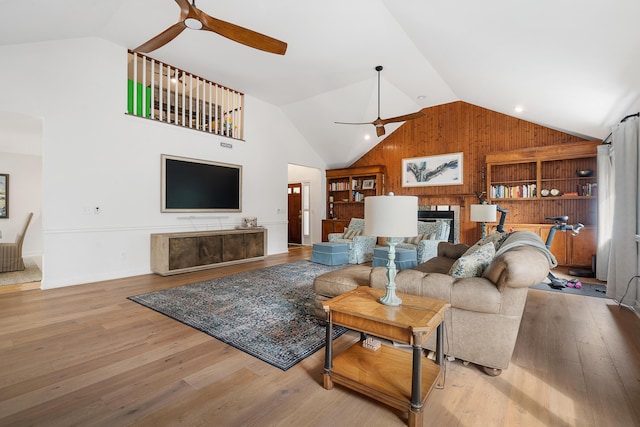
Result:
192,185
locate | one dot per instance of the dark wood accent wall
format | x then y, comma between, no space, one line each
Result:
474,131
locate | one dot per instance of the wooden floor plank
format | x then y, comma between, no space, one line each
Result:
85,355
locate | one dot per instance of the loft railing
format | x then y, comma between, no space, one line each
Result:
168,94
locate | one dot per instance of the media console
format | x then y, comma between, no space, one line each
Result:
173,253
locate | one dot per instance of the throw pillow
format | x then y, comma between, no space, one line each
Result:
350,234
472,264
414,240
496,239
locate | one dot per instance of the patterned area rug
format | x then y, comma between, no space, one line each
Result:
267,313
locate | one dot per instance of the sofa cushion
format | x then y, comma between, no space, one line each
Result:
473,262
475,294
436,265
451,250
343,280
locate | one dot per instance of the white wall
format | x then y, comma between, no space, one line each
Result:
96,156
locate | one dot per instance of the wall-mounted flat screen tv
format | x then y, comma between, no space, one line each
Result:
193,185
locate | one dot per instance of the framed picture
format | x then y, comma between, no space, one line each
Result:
368,184
445,169
4,195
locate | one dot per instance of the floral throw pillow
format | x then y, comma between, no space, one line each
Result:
473,264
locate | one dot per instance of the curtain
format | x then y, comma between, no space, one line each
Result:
623,260
606,198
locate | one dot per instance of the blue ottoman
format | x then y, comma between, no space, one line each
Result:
405,258
329,253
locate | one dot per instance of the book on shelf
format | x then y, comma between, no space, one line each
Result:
339,186
590,189
523,191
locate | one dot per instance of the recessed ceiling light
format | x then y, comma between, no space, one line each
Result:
367,137
422,96
519,109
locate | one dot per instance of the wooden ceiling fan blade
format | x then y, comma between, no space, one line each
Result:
243,35
161,39
185,6
403,118
352,123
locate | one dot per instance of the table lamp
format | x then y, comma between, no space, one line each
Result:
393,217
483,213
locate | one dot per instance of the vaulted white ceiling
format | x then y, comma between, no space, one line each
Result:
571,65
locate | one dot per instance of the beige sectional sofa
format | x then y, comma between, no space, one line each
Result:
482,324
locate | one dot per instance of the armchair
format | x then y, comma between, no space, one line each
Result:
360,247
430,234
11,253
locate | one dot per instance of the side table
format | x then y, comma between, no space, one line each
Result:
390,375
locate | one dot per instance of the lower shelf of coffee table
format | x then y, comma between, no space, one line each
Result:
384,375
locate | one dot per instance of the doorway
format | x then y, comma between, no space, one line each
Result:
312,203
294,209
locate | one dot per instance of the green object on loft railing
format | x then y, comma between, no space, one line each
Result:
138,92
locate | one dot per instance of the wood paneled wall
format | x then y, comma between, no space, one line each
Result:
474,131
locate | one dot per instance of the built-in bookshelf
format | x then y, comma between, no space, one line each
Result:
346,191
544,173
533,184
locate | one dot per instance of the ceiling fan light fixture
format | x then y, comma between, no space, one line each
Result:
193,23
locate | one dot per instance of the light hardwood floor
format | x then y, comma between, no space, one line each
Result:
85,355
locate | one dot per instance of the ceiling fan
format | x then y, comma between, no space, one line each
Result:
195,19
379,123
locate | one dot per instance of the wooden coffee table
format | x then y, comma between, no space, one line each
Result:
393,376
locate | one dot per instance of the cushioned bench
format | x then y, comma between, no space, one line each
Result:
329,253
405,258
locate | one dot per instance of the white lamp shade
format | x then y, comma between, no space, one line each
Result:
483,213
391,216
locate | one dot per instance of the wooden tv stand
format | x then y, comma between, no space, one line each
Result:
173,253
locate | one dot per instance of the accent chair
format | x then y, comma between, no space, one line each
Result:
11,253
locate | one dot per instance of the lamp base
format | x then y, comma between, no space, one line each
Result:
390,298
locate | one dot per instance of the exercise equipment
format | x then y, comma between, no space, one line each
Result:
560,224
